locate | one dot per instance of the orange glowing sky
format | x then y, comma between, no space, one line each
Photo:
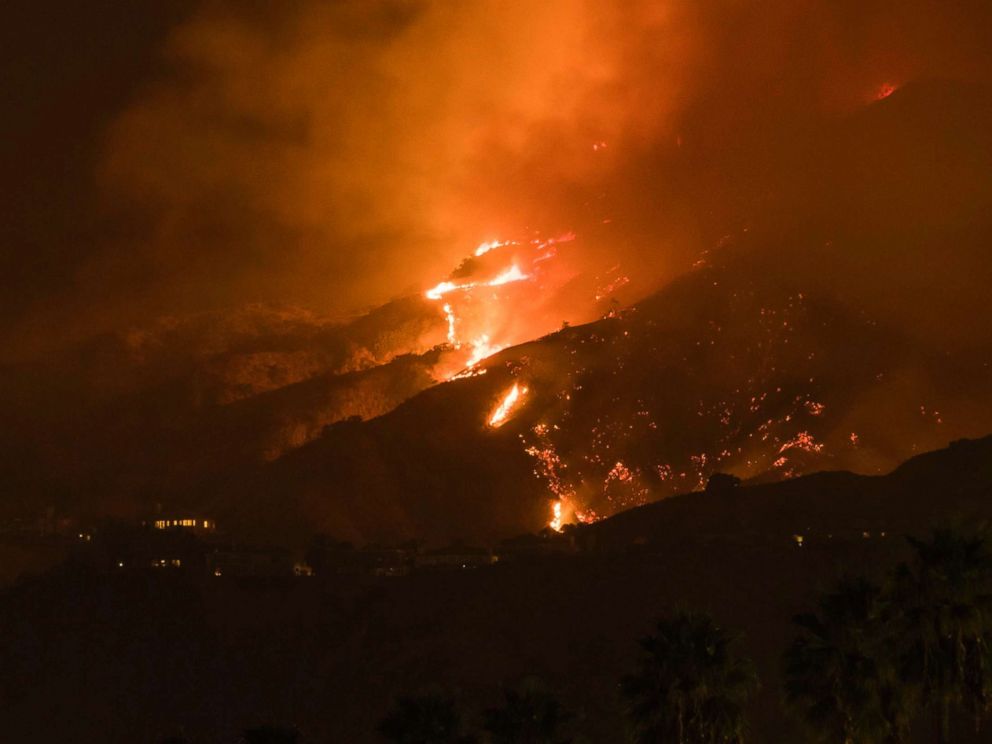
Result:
333,156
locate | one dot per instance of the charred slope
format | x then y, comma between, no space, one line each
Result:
725,370
129,419
841,331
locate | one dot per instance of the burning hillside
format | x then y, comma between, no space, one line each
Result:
725,371
812,244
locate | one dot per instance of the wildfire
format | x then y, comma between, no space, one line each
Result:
885,90
449,315
482,348
484,248
475,318
507,405
512,274
556,517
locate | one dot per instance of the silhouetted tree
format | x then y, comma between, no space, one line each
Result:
689,688
271,735
842,670
945,623
424,719
530,714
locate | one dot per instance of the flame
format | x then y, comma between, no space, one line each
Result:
512,274
510,401
481,349
556,518
474,318
449,315
885,90
484,248
437,292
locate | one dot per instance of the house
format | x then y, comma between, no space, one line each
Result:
187,523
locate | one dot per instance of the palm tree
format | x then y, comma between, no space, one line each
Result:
424,719
529,715
945,621
689,688
841,670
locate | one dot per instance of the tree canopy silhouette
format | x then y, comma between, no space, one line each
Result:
841,671
944,621
424,719
689,687
530,714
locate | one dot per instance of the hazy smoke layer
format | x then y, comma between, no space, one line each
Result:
336,154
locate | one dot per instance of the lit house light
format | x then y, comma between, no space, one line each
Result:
188,523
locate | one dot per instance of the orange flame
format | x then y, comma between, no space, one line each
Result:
449,315
484,248
485,321
512,274
507,405
481,348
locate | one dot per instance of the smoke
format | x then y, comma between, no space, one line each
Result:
334,155
340,154
277,166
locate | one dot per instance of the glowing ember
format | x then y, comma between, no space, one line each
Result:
510,401
885,90
469,372
802,441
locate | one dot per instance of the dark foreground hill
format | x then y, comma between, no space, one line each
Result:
949,485
131,657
